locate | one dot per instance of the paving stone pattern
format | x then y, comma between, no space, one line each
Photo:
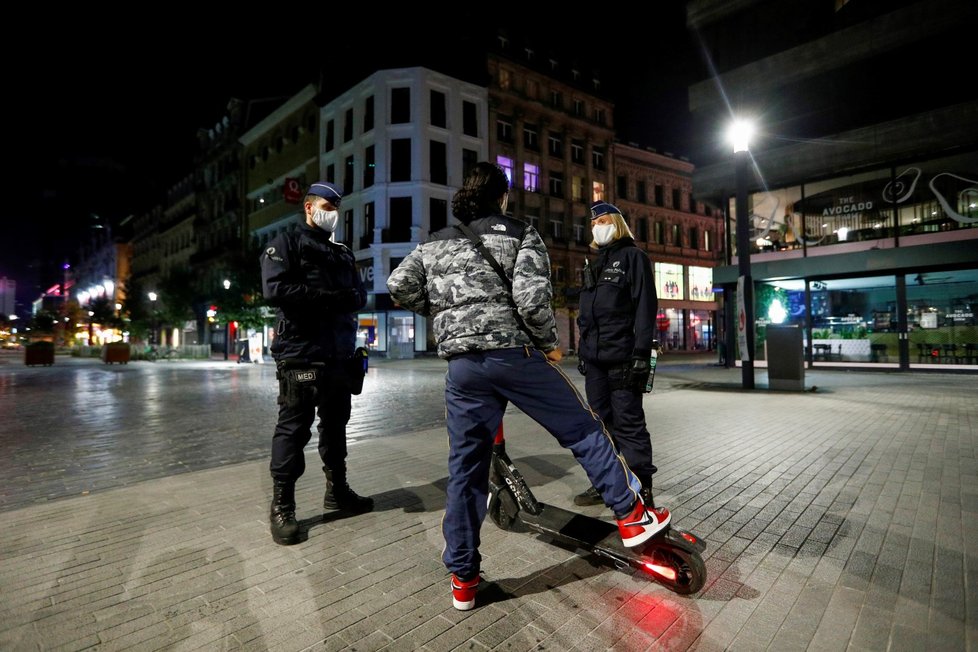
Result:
839,519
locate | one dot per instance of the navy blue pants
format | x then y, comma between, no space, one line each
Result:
333,403
622,413
478,387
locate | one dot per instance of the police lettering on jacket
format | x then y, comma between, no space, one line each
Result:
447,279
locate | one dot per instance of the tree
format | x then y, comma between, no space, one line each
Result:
242,301
136,315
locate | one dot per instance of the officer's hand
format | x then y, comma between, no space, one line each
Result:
582,366
638,374
555,356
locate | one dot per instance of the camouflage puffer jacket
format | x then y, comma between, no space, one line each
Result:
447,279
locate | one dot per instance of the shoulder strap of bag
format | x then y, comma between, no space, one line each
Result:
481,248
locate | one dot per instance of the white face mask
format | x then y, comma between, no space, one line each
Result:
326,220
603,234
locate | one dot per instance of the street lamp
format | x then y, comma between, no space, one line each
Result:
227,325
152,298
739,134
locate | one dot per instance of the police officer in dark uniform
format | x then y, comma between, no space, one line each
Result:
618,306
313,283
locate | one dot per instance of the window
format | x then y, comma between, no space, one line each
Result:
556,100
597,158
438,111
532,218
348,126
676,202
368,114
469,158
694,240
622,187
530,138
597,191
643,229
438,155
331,173
504,130
578,107
400,220
348,226
348,175
599,116
330,128
400,159
531,177
400,105
506,164
437,214
557,226
676,236
657,234
368,225
556,184
505,79
659,196
557,273
640,194
555,146
470,119
580,233
706,241
577,188
577,152
369,166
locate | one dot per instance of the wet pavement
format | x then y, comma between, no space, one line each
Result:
134,516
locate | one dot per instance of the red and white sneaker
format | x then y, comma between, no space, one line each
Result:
642,524
463,593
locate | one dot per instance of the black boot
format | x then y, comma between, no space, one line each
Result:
285,529
647,491
340,496
588,497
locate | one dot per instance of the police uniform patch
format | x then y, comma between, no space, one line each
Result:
270,252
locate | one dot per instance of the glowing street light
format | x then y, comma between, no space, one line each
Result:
739,134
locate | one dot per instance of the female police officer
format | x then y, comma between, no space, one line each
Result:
313,283
617,325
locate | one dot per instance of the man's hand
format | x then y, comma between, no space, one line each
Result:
555,356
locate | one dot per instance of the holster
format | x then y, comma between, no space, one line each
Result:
299,382
355,369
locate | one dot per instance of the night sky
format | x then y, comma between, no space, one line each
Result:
104,132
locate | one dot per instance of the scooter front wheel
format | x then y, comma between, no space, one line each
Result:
676,569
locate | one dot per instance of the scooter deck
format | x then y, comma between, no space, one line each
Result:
600,536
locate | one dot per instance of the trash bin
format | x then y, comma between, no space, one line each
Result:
39,353
116,352
785,358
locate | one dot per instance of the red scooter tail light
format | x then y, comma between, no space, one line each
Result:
689,537
665,572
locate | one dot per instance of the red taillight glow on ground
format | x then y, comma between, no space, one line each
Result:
666,572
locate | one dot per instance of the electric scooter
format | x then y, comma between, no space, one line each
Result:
671,557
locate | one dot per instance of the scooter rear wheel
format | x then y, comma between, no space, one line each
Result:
689,569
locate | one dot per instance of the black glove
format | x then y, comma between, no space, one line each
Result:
582,366
638,375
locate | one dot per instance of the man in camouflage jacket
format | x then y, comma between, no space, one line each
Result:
502,347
